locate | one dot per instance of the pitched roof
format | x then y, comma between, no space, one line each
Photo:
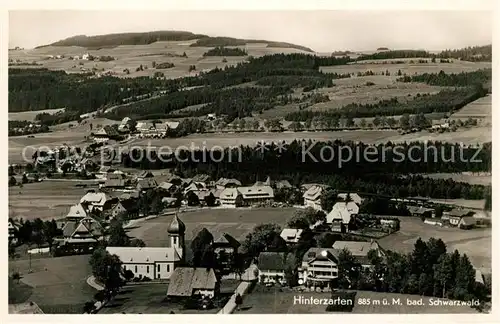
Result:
144,254
184,280
357,249
97,198
227,239
460,212
419,210
314,192
323,254
341,212
69,228
468,220
353,196
147,183
229,193
224,182
166,185
307,186
130,205
283,184
201,177
291,235
256,192
145,174
273,261
114,183
76,211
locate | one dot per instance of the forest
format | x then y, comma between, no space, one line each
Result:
462,79
113,40
443,101
225,51
394,55
472,54
38,89
392,173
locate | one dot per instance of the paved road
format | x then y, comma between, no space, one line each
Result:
250,275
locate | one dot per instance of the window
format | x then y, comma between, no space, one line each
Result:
135,269
158,268
168,267
175,240
147,269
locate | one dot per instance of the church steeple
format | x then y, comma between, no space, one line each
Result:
176,231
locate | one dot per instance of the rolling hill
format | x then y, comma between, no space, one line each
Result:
114,40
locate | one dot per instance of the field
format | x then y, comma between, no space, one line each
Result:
265,301
235,222
480,179
30,115
355,90
150,299
480,109
45,200
475,243
131,56
59,284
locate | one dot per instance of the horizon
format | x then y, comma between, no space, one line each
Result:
449,29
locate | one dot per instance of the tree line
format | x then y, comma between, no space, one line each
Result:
462,79
473,54
225,51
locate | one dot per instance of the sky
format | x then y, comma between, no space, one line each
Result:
323,31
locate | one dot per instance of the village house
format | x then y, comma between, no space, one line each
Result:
231,198
167,187
272,266
126,208
202,177
226,249
194,186
312,196
341,214
354,197
168,202
420,211
114,181
81,234
291,235
319,268
155,262
256,195
146,184
77,212
455,216
467,222
359,250
281,184
105,134
144,175
224,183
125,125
99,201
193,282
13,227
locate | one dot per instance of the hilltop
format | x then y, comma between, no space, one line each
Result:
114,40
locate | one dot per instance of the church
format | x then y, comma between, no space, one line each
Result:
155,262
